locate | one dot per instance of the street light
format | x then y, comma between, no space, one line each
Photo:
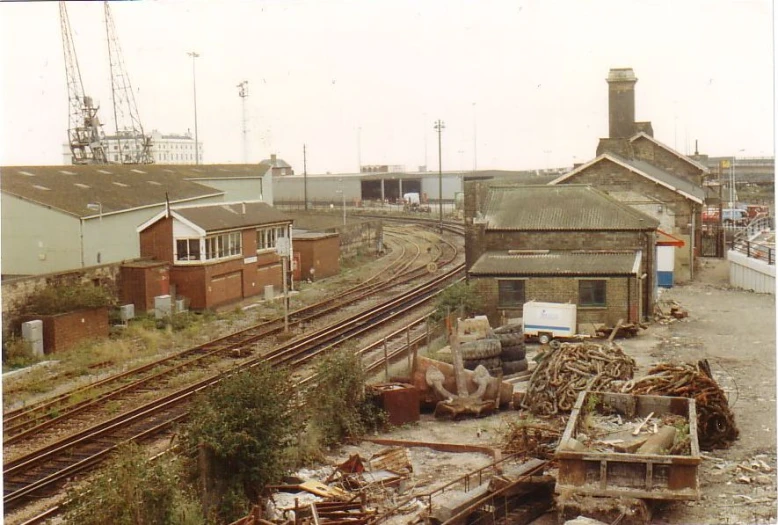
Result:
343,194
439,127
194,55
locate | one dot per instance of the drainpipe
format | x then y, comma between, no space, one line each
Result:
691,244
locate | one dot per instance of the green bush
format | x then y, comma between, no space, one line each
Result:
340,408
241,431
61,299
131,490
17,353
459,297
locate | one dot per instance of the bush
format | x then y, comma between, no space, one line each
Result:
457,297
241,431
60,299
17,353
132,490
341,409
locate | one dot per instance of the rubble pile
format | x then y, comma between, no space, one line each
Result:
666,312
573,368
532,439
655,434
715,422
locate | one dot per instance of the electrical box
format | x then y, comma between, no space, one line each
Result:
32,332
269,294
180,305
162,306
127,312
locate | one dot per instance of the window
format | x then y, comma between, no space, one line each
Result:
187,249
266,237
591,293
224,245
510,293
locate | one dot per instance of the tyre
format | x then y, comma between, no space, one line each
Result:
514,367
513,353
515,328
510,339
480,349
488,363
544,339
555,344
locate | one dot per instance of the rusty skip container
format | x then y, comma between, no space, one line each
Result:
615,474
400,401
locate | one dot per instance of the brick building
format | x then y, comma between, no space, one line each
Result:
218,253
637,169
567,243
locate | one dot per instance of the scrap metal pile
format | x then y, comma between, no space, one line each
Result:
715,421
572,368
532,439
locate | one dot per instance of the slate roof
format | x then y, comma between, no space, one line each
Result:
557,263
231,215
681,186
115,187
568,207
678,154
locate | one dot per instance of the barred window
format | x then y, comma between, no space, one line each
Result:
510,293
591,293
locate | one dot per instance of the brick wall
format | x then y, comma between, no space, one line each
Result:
622,299
15,292
141,283
321,255
654,154
65,331
156,241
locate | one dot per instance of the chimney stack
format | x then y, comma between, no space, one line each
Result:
621,102
273,159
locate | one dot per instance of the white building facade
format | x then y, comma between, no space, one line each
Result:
165,149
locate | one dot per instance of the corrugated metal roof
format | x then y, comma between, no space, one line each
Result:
564,207
115,187
553,263
231,215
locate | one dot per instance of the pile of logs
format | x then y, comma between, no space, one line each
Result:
715,422
575,367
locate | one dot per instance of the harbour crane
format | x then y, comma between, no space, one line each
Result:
85,133
134,146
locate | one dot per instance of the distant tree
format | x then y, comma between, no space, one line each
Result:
240,432
131,490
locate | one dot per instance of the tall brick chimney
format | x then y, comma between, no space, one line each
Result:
621,102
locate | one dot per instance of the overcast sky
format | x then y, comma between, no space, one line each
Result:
519,84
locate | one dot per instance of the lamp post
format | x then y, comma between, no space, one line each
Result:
439,127
194,55
343,195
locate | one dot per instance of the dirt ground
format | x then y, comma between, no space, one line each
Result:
735,331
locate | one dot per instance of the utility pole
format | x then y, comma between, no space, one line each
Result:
359,149
439,127
243,93
305,179
475,142
194,55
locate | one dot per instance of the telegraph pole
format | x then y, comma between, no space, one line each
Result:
305,179
194,55
243,93
439,127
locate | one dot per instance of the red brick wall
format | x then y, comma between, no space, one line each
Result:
156,241
64,331
140,284
323,255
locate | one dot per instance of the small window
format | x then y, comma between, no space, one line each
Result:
510,293
591,293
188,249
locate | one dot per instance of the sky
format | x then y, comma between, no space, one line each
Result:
518,84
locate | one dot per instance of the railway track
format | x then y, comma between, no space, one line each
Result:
31,420
42,471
